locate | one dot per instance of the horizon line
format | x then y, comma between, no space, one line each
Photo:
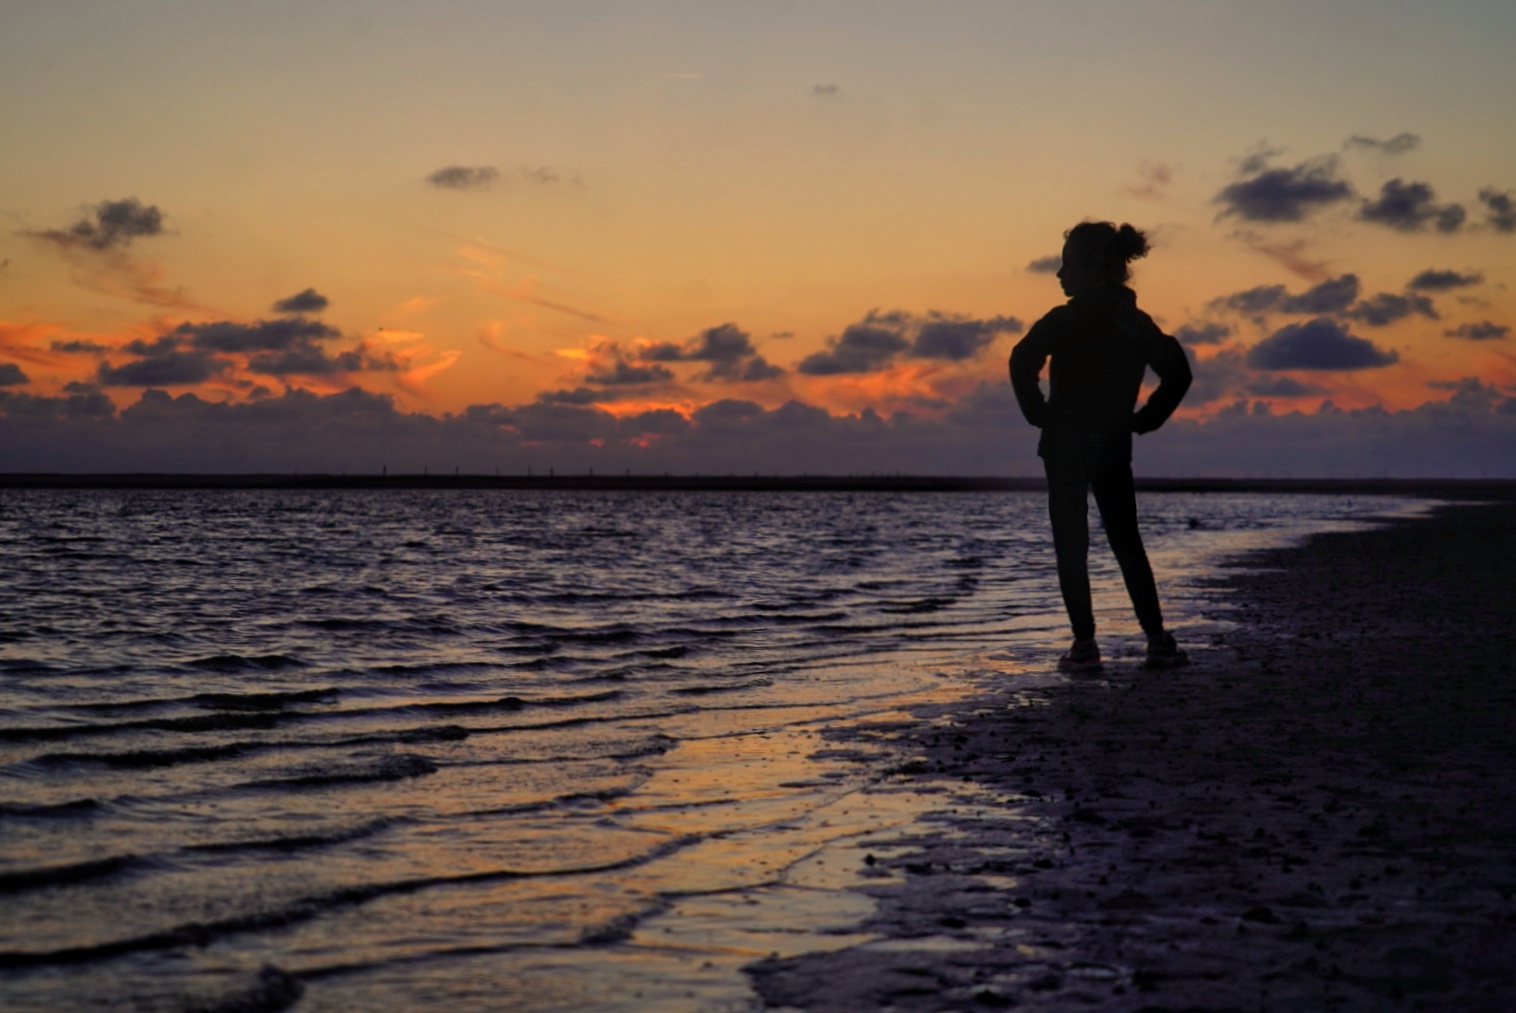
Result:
1426,486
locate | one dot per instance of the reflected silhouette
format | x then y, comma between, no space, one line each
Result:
1098,346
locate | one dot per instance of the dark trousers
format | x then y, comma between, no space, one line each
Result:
1070,478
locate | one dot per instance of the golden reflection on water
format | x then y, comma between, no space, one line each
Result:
777,820
745,837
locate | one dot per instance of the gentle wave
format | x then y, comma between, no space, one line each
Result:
202,934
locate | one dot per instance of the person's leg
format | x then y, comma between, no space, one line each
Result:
1116,497
1068,509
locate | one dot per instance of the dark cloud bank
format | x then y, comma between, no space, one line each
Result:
1468,434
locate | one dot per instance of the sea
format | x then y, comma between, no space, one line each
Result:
506,750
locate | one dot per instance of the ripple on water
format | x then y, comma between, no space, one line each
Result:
387,750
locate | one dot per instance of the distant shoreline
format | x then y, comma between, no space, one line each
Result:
1441,488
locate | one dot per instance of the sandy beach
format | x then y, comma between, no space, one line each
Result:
1318,814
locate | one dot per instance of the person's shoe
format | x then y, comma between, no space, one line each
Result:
1083,656
1163,652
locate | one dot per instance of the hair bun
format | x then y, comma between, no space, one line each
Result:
1131,243
1104,248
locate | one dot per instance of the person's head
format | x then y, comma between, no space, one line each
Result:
1098,255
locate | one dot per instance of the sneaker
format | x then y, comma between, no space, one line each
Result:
1163,652
1083,656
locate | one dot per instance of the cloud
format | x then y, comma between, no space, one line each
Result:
1331,296
37,414
1328,297
1410,207
539,174
194,352
162,366
1470,433
1317,344
956,338
861,348
1484,330
753,370
11,375
483,177
625,374
307,360
1432,280
115,223
116,273
1291,255
1226,375
281,335
1397,145
80,347
1046,265
308,301
463,177
1208,333
1280,386
877,340
96,248
825,90
577,396
1257,159
1215,378
727,411
1156,177
1500,209
727,348
1284,195
559,423
1386,308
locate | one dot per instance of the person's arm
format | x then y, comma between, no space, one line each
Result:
1026,365
1165,355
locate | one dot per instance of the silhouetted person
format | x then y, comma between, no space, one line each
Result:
1099,344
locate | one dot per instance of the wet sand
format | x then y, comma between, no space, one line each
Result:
1319,814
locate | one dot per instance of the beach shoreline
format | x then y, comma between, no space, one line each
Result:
1317,814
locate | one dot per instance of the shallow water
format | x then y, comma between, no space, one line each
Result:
549,751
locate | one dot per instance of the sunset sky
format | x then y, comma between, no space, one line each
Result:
743,236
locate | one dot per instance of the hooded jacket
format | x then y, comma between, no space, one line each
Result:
1100,345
